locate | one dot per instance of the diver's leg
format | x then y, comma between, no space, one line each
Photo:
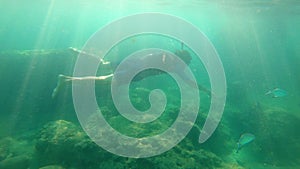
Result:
60,82
191,83
69,78
201,88
62,79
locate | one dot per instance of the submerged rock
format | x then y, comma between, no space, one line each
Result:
59,132
17,162
278,136
276,133
62,142
4,147
15,153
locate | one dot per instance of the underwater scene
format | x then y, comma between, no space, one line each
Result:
128,84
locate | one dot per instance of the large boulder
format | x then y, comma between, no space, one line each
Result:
62,142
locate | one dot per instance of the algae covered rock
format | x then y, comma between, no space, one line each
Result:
4,147
181,157
178,157
59,133
19,162
278,136
62,142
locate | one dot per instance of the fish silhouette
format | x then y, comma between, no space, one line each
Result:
277,92
245,139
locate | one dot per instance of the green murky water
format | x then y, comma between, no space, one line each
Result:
257,42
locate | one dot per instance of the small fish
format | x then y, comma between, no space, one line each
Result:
277,92
244,139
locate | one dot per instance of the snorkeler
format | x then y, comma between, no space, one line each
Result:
165,59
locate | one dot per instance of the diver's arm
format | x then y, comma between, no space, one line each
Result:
81,52
88,54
